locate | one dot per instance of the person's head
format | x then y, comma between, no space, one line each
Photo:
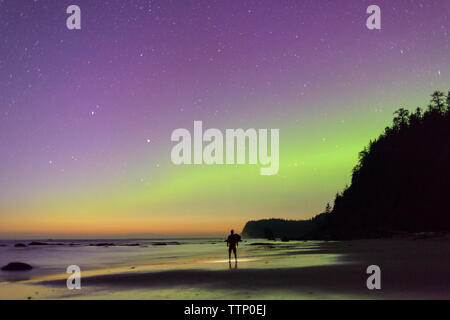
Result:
232,231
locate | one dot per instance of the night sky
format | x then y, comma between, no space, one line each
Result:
86,115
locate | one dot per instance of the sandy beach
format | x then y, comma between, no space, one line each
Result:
410,269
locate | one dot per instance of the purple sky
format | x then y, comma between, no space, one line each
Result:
77,107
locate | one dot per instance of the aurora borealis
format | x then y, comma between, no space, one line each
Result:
86,115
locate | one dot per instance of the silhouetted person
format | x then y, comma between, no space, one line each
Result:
232,244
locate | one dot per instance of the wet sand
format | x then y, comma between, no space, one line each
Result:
410,269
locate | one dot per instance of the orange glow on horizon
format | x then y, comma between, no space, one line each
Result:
123,226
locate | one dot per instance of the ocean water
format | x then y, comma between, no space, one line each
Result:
89,255
147,258
57,255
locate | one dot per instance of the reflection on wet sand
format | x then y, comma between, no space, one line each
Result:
293,270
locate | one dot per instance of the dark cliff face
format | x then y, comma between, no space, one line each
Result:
280,228
400,184
402,180
273,228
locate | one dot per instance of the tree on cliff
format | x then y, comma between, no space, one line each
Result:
402,179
